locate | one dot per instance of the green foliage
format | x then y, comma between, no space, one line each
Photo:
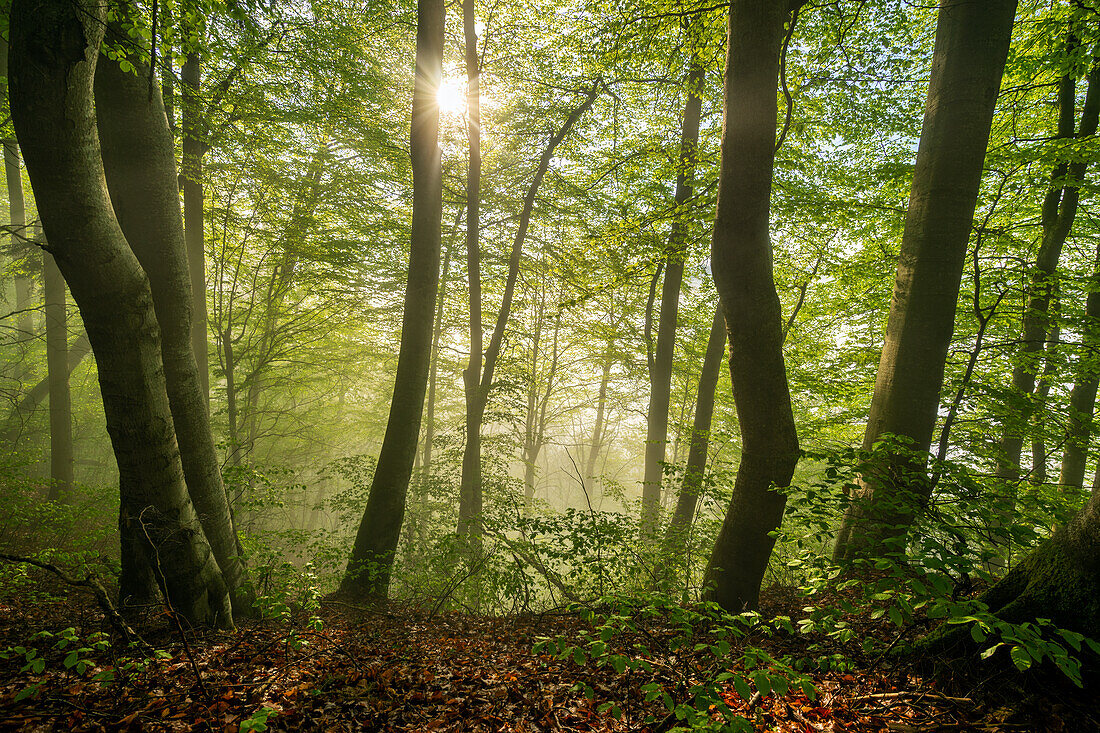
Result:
91,657
258,720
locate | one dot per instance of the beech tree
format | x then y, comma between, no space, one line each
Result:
741,260
54,50
368,572
967,63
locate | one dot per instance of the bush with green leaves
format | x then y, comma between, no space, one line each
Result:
79,656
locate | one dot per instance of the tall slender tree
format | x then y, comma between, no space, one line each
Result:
660,366
57,368
369,569
741,260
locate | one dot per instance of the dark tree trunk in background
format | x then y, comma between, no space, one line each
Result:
139,162
194,147
13,426
971,46
596,444
660,368
57,367
688,499
1082,398
368,572
470,493
437,335
1058,213
55,45
741,260
17,215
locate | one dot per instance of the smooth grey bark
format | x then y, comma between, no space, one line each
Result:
1057,216
967,63
370,566
54,48
17,419
139,162
470,488
691,486
741,260
660,367
57,368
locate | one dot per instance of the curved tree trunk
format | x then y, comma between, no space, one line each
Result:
660,368
139,162
971,46
741,259
55,45
368,571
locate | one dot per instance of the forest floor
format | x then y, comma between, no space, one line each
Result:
406,670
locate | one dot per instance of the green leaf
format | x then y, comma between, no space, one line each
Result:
1021,658
987,653
742,688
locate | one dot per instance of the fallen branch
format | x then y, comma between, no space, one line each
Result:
915,694
91,583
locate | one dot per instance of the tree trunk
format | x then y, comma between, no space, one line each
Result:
601,407
139,163
437,335
741,260
1082,397
57,367
193,150
55,45
686,503
470,494
13,426
967,63
660,371
1058,213
1042,394
17,213
538,410
368,571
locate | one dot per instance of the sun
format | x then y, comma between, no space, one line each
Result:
451,97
